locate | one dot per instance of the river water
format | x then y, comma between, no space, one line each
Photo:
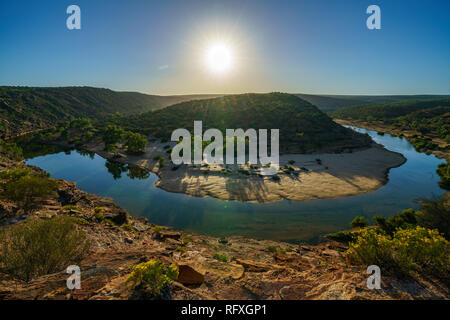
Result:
296,222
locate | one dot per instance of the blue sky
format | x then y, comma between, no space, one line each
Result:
309,46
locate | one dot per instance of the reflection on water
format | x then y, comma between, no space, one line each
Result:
133,189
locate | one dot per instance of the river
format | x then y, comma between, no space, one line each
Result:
296,222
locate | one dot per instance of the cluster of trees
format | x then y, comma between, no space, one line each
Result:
134,142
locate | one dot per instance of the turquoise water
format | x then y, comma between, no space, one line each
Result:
284,220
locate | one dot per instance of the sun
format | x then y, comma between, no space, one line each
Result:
219,57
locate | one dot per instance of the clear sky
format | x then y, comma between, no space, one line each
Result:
160,47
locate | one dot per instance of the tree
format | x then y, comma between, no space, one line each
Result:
112,135
135,142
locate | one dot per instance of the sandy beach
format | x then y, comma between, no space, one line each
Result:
302,177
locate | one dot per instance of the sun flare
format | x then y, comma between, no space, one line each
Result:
219,58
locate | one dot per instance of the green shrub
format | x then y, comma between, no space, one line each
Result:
435,214
100,217
38,247
11,150
26,187
157,229
372,247
423,250
109,222
359,222
413,249
181,249
151,279
343,236
404,219
129,227
221,257
272,249
98,209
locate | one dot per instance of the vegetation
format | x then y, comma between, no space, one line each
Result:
38,247
444,172
151,279
410,241
26,187
407,250
135,143
26,109
112,135
275,110
10,150
427,117
359,222
221,257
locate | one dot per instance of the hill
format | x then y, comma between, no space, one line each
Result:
334,102
303,127
387,111
25,109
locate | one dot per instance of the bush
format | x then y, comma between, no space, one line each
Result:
371,247
423,250
26,187
343,236
221,257
404,219
415,249
435,214
359,222
38,247
11,150
151,279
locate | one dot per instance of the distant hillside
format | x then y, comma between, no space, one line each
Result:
303,127
27,108
333,102
428,117
386,111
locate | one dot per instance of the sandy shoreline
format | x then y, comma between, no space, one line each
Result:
334,176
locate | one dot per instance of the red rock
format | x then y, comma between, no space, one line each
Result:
188,275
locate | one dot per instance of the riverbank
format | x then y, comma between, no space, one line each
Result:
301,177
442,153
247,268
